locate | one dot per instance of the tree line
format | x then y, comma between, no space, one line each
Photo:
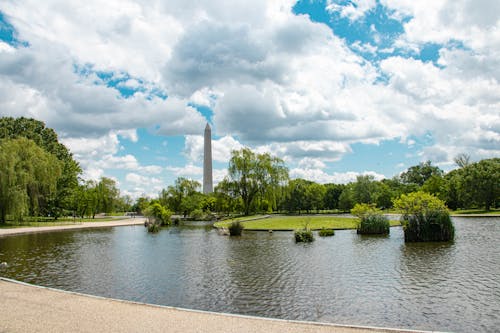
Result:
259,183
40,178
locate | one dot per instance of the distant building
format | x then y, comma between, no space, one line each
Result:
208,185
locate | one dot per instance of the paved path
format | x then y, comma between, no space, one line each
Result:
27,308
80,225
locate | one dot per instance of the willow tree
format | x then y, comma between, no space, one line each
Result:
46,138
28,178
253,175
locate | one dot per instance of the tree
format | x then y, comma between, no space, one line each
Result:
179,197
46,138
346,201
251,174
482,181
332,195
315,196
418,174
296,195
462,160
28,178
364,189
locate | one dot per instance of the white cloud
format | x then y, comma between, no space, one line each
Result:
354,10
322,177
276,81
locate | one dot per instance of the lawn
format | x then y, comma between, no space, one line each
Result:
299,222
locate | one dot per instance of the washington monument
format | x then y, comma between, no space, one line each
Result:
208,186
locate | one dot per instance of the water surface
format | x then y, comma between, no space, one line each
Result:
345,279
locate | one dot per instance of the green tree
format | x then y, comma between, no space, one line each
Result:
251,174
28,178
315,196
364,189
181,196
418,174
332,195
46,138
482,181
346,199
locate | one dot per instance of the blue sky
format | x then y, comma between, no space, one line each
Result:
336,88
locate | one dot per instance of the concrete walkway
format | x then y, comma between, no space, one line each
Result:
77,225
28,308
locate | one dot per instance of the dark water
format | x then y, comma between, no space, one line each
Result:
346,279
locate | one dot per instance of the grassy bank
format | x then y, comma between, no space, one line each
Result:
298,222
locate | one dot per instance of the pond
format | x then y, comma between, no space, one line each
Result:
344,279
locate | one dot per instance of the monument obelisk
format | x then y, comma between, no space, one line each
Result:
208,186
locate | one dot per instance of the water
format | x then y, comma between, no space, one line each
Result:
345,279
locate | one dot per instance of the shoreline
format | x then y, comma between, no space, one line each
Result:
30,308
80,225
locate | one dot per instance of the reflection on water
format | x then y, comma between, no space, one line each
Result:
347,278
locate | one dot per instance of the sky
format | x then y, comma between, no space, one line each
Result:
335,88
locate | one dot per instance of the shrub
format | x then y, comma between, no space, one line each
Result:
418,202
153,227
158,214
364,209
197,215
326,232
303,235
235,229
429,226
373,224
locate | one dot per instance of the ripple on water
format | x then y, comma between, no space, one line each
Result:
347,279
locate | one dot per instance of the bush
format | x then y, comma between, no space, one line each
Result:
235,229
418,202
153,227
429,226
373,224
304,235
158,214
197,215
363,209
326,232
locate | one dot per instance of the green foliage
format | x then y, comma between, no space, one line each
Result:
326,232
362,209
418,174
253,175
418,202
364,189
153,227
346,200
157,214
303,235
482,181
428,226
373,224
235,229
183,197
46,138
28,178
197,215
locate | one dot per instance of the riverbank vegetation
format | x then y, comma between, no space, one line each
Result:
425,218
40,178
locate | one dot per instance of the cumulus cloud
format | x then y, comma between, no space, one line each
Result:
322,177
274,80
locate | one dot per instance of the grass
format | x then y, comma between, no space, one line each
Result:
299,222
475,211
